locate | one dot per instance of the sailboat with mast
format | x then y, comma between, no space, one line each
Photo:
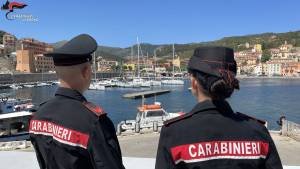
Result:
94,85
173,81
155,82
132,84
140,81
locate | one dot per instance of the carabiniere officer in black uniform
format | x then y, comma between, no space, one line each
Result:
67,131
212,135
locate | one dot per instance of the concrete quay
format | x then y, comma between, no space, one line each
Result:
146,94
143,147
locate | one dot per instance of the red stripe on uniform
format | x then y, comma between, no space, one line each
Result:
205,151
59,133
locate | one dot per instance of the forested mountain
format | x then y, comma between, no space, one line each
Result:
122,52
269,40
109,56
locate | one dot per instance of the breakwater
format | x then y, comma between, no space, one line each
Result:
35,77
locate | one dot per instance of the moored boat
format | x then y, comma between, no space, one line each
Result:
147,114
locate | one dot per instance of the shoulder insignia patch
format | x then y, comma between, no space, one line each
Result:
43,102
94,108
168,122
261,121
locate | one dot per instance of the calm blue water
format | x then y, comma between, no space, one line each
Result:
266,99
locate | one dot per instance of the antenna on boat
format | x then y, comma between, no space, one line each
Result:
143,100
155,98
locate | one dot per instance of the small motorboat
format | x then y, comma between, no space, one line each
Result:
94,86
147,114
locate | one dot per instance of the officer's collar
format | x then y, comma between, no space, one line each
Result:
71,93
211,104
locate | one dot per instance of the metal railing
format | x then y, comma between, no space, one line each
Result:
293,130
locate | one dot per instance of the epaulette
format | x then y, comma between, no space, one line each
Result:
94,108
43,102
168,122
261,121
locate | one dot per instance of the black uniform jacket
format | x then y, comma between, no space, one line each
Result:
68,132
213,136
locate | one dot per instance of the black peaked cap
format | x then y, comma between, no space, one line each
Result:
214,60
78,50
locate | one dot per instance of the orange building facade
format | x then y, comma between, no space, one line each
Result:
30,56
289,69
25,61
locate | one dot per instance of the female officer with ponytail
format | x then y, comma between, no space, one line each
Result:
212,135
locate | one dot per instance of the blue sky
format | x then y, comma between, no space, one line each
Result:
117,23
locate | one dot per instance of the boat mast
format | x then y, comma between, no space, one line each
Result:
132,61
138,44
154,65
173,60
95,65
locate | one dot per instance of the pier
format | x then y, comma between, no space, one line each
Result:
146,94
131,146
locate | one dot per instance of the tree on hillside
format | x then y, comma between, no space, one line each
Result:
251,69
244,63
266,55
124,67
169,69
130,68
113,67
161,61
117,67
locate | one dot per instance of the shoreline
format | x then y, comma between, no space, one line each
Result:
246,77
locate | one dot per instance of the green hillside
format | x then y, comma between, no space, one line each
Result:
268,40
109,56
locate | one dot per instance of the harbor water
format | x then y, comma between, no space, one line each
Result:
266,99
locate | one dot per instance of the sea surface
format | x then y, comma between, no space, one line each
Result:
266,99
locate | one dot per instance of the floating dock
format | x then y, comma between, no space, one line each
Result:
146,94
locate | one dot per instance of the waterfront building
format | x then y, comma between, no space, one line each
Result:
250,60
289,69
249,68
274,68
281,60
27,48
261,69
177,62
25,61
132,64
9,41
160,69
43,64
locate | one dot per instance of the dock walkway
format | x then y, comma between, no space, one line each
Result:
147,141
146,94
